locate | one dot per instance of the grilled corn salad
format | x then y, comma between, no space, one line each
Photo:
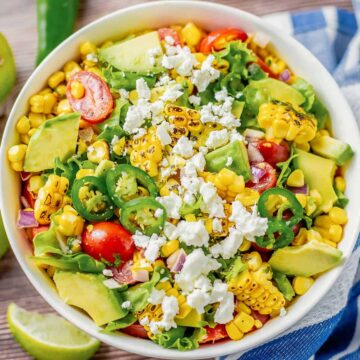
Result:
180,185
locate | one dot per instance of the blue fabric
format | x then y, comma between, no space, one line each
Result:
330,34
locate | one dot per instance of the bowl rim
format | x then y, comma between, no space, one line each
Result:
122,342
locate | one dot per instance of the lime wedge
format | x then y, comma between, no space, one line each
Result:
4,243
7,68
49,337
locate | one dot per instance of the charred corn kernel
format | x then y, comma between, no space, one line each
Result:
248,197
77,90
335,233
49,103
87,48
50,198
35,183
98,151
63,107
244,322
171,185
56,79
70,69
185,81
340,183
313,235
69,222
296,179
302,284
302,198
233,331
118,146
300,238
323,221
253,260
36,119
282,121
191,34
169,248
240,306
17,153
245,246
23,125
84,172
316,196
338,216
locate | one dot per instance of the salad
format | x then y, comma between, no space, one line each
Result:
180,185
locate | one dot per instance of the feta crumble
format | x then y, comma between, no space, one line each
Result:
184,147
193,233
205,75
126,305
151,244
156,296
107,272
229,161
195,100
112,284
172,204
162,132
217,139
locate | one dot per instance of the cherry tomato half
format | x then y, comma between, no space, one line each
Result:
38,230
214,334
136,330
97,102
105,240
266,177
257,316
218,39
273,153
123,273
164,32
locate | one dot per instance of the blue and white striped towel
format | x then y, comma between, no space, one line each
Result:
332,329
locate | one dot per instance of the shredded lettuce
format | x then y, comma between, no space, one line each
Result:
114,118
285,168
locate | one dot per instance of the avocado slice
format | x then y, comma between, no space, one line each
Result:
55,138
133,55
217,159
305,260
7,68
284,285
319,173
278,90
193,319
87,292
331,148
237,108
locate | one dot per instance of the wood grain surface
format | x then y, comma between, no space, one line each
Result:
18,23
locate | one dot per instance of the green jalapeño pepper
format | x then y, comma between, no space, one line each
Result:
143,214
90,199
123,184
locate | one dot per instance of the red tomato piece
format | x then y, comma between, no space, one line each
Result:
264,179
273,153
38,230
123,273
218,39
29,195
164,32
97,102
105,240
257,316
136,330
259,248
214,334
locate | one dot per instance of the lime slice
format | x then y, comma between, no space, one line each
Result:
4,243
7,68
49,337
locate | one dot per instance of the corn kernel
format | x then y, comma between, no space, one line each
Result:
190,217
338,216
70,69
23,125
24,138
340,183
63,107
300,238
313,235
302,284
335,233
119,146
84,172
296,179
56,79
17,165
49,102
87,48
98,151
245,246
169,248
191,34
69,222
244,322
17,153
77,90
323,221
36,119
233,331
253,260
37,103
302,198
248,197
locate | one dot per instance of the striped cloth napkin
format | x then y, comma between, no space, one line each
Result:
332,329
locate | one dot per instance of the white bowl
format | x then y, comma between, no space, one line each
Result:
209,16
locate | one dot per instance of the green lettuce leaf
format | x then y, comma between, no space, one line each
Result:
307,90
114,118
46,242
128,320
285,168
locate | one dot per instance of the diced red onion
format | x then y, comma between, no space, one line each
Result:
24,202
299,190
25,175
255,155
140,275
257,174
176,261
285,75
86,134
26,219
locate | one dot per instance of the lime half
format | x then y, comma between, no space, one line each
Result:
49,337
4,243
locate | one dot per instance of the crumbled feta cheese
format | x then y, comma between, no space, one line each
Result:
179,58
203,149
194,100
158,213
164,80
153,54
283,312
162,132
217,225
261,39
217,138
229,161
198,299
235,136
151,244
184,147
92,57
199,162
156,296
172,93
142,89
212,202
135,117
205,75
169,40
170,231
107,272
139,133
112,284
126,305
221,95
224,313
144,321
193,233
170,308
124,94
172,204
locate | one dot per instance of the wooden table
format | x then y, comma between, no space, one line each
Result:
18,23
